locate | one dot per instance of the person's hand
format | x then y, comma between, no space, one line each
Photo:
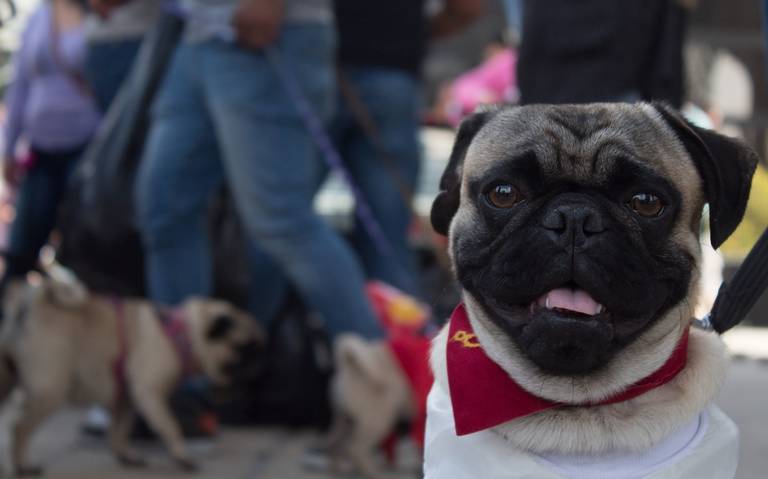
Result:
104,8
12,172
257,22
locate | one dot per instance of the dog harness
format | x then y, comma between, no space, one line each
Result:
483,395
175,328
118,365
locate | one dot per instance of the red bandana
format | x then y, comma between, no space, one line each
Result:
484,396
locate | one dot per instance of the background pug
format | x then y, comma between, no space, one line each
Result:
61,344
370,395
574,232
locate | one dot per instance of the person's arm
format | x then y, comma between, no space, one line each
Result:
455,16
257,22
16,96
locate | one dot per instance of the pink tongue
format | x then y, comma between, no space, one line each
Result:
576,300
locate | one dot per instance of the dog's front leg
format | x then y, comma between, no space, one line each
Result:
152,403
123,416
370,430
31,407
340,430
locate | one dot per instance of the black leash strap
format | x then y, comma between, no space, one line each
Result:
736,297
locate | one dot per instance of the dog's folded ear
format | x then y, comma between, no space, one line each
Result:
726,166
447,201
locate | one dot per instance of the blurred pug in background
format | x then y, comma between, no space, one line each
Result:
574,232
62,344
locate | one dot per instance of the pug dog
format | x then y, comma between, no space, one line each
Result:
574,233
370,395
62,344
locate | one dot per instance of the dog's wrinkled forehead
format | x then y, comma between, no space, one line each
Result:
578,143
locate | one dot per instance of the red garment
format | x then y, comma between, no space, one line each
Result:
483,395
412,353
405,321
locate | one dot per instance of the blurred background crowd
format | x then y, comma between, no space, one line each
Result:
282,154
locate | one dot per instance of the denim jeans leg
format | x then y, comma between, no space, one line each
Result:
271,162
268,287
179,172
37,207
107,65
388,172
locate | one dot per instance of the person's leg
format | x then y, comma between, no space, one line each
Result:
179,171
271,167
36,209
107,65
385,164
514,13
268,287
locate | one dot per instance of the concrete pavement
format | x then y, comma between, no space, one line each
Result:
744,398
236,454
276,454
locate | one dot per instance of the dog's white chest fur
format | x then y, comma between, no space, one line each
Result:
706,447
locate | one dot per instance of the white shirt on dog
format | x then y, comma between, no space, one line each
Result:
706,447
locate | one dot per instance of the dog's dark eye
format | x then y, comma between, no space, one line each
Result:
503,196
646,204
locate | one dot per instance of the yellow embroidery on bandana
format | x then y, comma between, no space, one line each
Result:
467,340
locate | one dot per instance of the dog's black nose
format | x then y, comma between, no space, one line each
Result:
573,224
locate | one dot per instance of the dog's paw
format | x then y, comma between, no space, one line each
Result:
29,471
187,465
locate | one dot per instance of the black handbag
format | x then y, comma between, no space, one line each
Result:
99,240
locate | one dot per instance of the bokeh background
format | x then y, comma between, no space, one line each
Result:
726,84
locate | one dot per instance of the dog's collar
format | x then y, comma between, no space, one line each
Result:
175,329
483,395
118,365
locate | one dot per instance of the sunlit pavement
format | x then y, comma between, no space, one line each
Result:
744,397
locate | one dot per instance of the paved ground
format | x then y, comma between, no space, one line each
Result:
745,399
276,454
237,454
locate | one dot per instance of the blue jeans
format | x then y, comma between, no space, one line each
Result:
107,65
222,115
514,12
387,172
37,208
